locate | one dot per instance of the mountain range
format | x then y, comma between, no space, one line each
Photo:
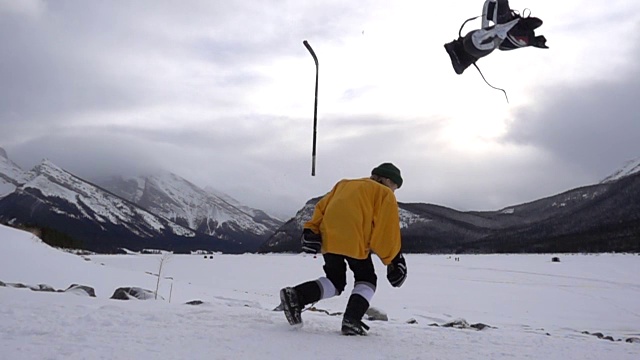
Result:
603,217
162,211
165,211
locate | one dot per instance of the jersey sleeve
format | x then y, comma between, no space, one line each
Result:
386,241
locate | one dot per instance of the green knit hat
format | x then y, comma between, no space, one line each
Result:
389,171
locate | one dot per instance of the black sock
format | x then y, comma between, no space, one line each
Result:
308,292
356,307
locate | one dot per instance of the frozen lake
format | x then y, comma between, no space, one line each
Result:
538,309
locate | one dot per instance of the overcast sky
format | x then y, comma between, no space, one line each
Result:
222,93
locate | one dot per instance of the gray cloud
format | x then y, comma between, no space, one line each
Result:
88,156
103,87
593,126
76,57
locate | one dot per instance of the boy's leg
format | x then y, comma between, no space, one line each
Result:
335,270
363,291
294,299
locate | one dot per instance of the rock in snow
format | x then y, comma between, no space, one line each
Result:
127,293
81,290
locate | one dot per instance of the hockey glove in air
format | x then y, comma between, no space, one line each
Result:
311,242
397,271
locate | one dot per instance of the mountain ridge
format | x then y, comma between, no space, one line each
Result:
186,204
166,211
599,217
630,167
51,197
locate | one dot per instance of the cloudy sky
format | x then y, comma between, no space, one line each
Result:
222,93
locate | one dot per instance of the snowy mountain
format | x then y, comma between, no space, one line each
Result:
53,198
165,211
155,208
630,167
596,218
11,175
184,203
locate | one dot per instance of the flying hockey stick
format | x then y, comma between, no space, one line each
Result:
315,111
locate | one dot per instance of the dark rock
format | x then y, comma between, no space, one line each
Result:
194,302
42,287
17,285
2,284
480,326
375,314
633,340
555,259
600,335
459,324
81,290
127,293
463,324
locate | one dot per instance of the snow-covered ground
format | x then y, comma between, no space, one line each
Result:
538,309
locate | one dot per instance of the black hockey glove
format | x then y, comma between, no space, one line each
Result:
311,242
397,271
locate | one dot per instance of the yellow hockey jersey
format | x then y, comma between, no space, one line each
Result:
356,217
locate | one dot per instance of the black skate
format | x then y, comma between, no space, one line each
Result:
460,59
497,11
291,306
354,327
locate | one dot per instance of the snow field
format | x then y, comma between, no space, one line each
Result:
538,309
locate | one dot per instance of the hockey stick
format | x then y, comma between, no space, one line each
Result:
315,111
